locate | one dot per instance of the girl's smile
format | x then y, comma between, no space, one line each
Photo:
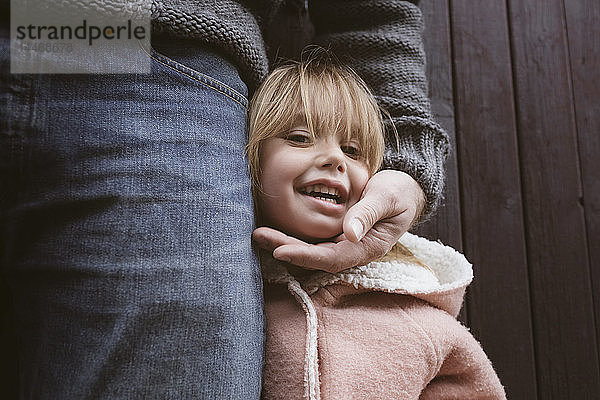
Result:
308,184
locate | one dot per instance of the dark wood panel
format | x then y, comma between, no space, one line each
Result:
445,224
565,338
493,231
583,31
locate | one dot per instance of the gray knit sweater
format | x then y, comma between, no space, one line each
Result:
380,39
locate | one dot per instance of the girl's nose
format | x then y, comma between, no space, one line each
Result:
333,156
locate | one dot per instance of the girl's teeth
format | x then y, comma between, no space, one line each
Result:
322,189
319,188
326,199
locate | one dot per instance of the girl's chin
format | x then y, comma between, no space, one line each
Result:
313,233
318,236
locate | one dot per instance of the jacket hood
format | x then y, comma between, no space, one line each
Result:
433,272
437,274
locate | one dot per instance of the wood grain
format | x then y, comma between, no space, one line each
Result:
493,230
583,31
565,336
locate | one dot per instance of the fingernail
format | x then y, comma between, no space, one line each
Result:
357,227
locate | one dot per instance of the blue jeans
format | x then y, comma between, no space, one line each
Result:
126,215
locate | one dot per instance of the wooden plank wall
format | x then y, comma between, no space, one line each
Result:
517,85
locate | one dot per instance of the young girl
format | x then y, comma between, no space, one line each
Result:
386,330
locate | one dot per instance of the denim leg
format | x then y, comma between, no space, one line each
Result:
126,215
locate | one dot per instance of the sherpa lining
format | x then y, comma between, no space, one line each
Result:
451,270
449,273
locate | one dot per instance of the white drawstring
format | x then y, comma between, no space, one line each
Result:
311,363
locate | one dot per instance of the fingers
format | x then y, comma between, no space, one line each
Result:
362,216
326,256
270,239
388,195
332,257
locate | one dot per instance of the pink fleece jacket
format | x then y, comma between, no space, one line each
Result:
386,330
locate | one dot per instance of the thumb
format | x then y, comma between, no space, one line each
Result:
361,217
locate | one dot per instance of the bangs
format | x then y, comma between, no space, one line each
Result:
325,97
336,101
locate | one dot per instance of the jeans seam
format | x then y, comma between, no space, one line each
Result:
197,76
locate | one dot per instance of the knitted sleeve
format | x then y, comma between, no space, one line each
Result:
382,41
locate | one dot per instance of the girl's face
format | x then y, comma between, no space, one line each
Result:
309,184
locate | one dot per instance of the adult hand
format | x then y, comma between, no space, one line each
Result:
390,203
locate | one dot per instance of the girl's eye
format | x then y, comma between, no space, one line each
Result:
350,150
298,137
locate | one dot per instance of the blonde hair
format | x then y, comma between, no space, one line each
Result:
325,96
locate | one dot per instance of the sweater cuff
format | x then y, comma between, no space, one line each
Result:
421,150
